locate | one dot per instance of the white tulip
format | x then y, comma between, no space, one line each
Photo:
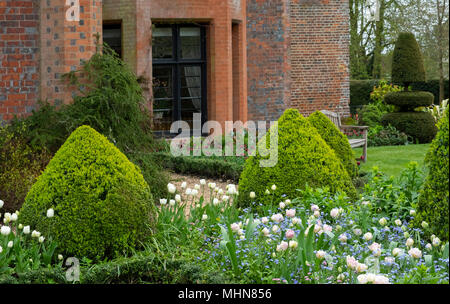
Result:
424,225
264,220
252,194
1,203
293,244
275,228
334,213
60,257
183,185
317,213
343,238
10,244
197,187
1,249
368,236
436,242
216,201
172,202
35,234
409,242
14,217
412,212
320,254
273,188
194,192
163,201
382,221
41,239
266,232
235,227
396,251
357,231
204,217
202,182
225,198
415,253
26,230
171,188
5,230
282,205
428,246
50,213
398,222
177,198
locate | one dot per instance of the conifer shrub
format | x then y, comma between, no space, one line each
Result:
304,158
336,140
434,198
407,61
101,202
407,67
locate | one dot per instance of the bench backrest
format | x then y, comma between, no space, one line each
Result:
334,117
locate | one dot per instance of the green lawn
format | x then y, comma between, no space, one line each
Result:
392,159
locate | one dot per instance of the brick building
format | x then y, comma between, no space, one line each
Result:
225,59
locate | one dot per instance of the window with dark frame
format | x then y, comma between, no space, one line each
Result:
112,36
179,74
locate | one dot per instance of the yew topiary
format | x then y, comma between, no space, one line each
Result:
101,202
434,198
304,158
407,61
336,140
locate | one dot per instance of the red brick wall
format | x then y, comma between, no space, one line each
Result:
320,38
268,61
65,45
19,57
298,56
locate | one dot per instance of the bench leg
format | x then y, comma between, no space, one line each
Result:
365,146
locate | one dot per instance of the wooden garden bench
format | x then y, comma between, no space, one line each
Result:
354,143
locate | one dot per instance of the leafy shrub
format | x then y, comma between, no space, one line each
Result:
370,115
303,158
431,86
110,100
20,165
149,268
379,92
360,93
434,199
212,167
336,140
437,111
409,100
419,126
102,203
407,61
386,136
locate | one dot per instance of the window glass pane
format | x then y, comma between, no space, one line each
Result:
162,43
190,43
162,98
112,36
191,92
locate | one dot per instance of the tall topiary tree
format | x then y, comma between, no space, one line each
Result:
304,158
101,201
407,67
434,198
407,61
336,140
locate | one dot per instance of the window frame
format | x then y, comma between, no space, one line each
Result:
177,63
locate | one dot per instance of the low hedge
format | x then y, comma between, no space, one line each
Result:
150,269
360,91
419,125
39,276
201,165
410,99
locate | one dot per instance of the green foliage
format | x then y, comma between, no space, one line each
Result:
434,200
336,140
394,197
420,126
431,86
20,165
408,101
386,136
110,100
370,115
54,275
360,93
407,60
102,203
147,267
379,92
303,158
212,167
